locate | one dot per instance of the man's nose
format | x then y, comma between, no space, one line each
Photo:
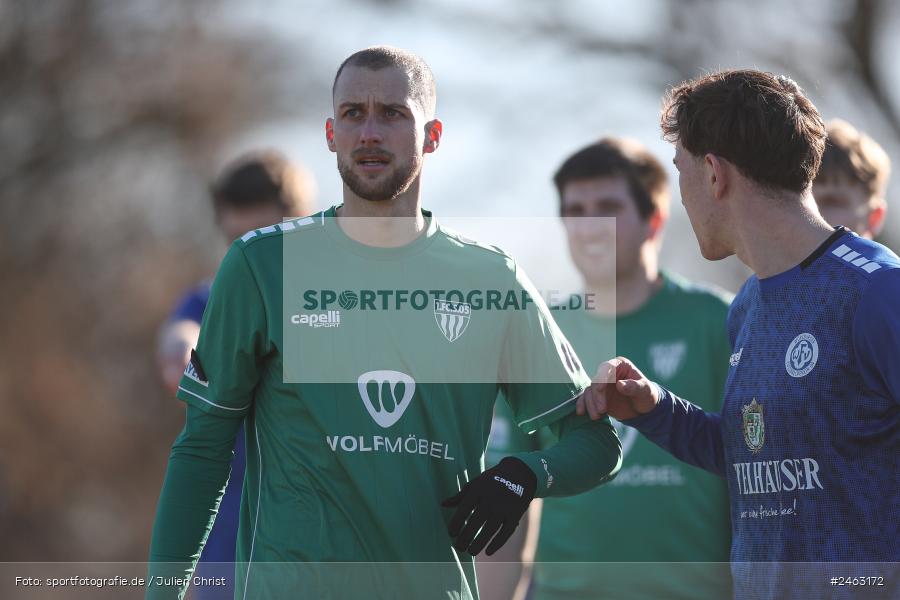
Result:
370,134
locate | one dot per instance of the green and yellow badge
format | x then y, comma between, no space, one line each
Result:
754,426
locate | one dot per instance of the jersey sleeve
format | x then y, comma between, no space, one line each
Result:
225,368
506,438
876,335
540,372
684,430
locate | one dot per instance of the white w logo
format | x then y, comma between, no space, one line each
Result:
389,409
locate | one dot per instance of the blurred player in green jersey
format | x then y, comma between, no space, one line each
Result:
850,187
675,330
365,347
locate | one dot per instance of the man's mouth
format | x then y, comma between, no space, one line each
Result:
371,163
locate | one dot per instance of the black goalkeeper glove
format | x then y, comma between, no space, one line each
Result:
499,497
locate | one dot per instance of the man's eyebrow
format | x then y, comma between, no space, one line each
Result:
394,105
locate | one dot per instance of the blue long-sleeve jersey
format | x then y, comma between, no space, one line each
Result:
809,433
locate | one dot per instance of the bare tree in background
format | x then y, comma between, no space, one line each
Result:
110,114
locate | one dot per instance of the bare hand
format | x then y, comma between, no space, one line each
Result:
619,390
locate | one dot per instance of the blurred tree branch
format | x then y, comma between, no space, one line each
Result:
861,30
111,115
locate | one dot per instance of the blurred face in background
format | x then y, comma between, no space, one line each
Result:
235,222
379,132
603,249
843,202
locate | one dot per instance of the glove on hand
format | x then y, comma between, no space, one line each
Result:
499,497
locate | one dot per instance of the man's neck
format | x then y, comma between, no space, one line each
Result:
773,236
385,223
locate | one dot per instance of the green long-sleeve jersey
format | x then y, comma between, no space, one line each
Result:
366,378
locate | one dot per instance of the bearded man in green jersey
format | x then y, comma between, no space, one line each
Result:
676,330
364,348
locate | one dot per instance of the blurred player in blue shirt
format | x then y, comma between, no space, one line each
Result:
256,190
808,437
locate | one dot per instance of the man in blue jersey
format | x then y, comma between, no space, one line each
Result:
808,437
253,191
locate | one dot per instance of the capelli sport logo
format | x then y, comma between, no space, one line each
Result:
329,318
515,488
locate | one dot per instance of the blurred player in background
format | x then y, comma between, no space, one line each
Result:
851,186
675,331
809,431
373,453
255,190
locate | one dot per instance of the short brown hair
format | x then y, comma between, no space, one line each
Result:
264,177
376,58
619,157
760,122
853,156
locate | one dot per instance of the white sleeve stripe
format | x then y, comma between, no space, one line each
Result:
547,412
187,391
841,250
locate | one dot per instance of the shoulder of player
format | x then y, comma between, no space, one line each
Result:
878,301
868,259
478,250
706,297
294,226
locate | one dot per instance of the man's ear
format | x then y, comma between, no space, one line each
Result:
877,212
718,172
329,133
656,222
433,131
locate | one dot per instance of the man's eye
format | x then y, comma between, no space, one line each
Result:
351,112
391,113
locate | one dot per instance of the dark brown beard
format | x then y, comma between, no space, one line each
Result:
398,183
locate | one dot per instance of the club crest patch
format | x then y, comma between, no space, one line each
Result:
802,355
452,318
667,358
753,425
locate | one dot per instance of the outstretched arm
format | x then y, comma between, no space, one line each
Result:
683,429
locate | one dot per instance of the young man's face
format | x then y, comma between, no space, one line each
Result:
592,240
235,222
378,132
699,202
842,202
